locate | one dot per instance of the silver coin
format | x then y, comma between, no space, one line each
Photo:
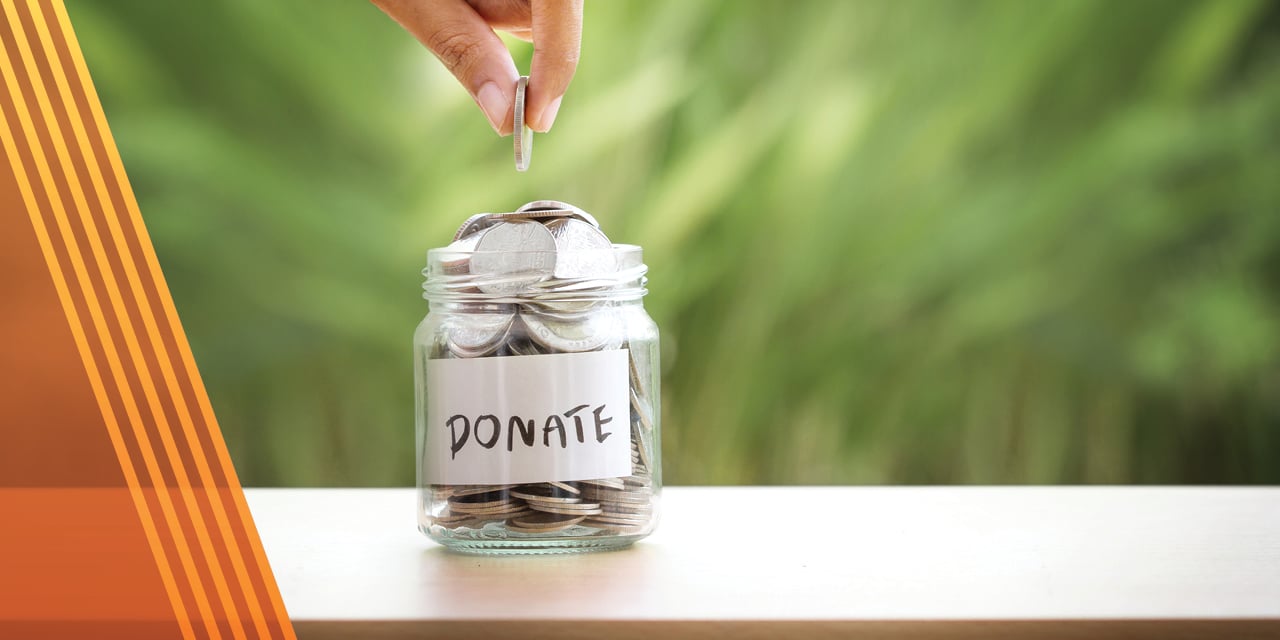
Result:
510,284
439,493
568,510
479,521
543,522
482,221
522,134
619,522
594,332
643,413
523,348
618,497
536,210
477,335
639,361
570,506
512,255
458,261
641,444
500,511
613,495
439,347
553,289
607,511
502,514
582,251
478,331
471,490
459,506
564,308
478,497
535,214
471,225
630,510
624,508
611,483
565,487
533,495
459,352
558,206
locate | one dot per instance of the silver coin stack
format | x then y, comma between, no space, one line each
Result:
539,280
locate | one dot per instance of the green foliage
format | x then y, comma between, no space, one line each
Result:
920,241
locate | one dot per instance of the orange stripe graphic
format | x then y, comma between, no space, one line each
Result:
149,389
73,318
117,302
153,333
100,319
272,594
60,120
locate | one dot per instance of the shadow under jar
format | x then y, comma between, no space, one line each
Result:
537,401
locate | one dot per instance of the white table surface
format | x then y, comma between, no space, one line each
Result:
917,562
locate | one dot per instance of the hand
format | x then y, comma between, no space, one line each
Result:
461,34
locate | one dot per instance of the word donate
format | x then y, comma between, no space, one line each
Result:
524,419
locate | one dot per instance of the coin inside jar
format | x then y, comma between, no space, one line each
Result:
461,263
510,256
477,335
592,332
536,210
582,251
544,522
544,206
543,495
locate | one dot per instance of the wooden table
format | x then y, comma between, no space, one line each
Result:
747,562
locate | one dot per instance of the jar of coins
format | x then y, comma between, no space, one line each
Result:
537,387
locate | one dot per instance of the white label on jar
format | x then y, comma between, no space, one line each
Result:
516,419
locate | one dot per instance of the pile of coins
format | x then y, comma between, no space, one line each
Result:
536,281
608,505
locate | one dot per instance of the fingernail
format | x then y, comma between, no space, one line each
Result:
549,115
494,103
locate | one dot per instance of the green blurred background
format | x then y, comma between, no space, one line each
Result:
890,242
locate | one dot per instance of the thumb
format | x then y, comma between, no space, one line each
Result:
469,49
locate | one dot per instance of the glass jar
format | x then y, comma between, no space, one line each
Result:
537,390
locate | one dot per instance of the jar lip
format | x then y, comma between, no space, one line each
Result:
546,276
440,254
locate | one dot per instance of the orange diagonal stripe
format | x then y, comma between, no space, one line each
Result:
100,319
149,390
73,318
242,524
129,263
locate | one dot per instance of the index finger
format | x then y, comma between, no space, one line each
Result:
557,39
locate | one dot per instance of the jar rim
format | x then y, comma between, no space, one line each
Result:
536,275
620,250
